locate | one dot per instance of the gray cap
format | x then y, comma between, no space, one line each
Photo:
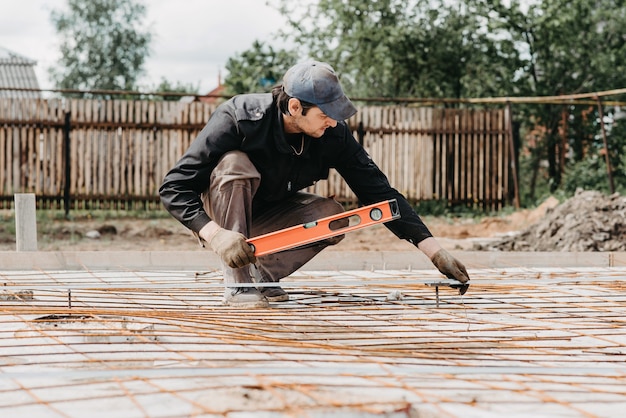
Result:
316,82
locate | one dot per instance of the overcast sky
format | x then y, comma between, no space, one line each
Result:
192,39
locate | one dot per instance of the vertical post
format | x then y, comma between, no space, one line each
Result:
607,158
512,151
68,171
360,132
25,222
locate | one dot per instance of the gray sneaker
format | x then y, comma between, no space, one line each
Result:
244,297
274,294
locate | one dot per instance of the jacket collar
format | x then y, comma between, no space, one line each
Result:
281,141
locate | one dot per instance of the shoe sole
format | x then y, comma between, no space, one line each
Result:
248,305
279,298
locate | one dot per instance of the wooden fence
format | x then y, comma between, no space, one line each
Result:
113,154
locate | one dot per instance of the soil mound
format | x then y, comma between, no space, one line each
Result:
589,221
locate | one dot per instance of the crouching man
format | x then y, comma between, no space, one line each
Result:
243,175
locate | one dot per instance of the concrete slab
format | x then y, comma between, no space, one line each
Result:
330,260
355,343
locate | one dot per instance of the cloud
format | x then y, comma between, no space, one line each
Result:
192,40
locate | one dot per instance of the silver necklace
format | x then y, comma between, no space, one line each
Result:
301,147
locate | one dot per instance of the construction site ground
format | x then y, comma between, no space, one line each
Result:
365,334
372,331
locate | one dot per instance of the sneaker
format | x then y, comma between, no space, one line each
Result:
244,297
274,294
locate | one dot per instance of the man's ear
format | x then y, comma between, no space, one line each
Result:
294,106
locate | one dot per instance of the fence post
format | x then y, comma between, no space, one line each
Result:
360,132
25,222
607,157
512,152
68,164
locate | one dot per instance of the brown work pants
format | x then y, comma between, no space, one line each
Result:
229,201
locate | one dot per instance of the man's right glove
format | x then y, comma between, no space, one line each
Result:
232,248
452,269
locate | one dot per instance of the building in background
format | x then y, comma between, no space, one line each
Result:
215,96
17,71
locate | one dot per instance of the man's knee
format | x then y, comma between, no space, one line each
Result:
234,175
235,165
234,171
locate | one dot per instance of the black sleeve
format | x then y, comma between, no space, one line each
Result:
371,185
183,184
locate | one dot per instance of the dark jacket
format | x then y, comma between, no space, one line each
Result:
252,123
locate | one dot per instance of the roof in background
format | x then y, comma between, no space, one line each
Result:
17,71
212,96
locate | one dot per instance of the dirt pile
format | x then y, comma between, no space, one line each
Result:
589,221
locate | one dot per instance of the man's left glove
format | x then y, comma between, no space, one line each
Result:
452,269
232,248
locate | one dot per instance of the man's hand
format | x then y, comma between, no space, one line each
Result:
451,268
232,248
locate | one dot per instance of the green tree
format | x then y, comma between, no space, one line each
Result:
479,48
103,45
567,46
404,48
165,86
257,69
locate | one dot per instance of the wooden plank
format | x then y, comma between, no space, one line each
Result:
159,156
444,159
25,168
172,146
133,173
74,163
125,168
462,175
10,159
137,142
89,137
413,144
475,156
101,161
4,138
150,183
3,160
108,147
44,160
499,161
486,159
37,150
17,160
493,163
57,146
428,158
55,153
100,156
506,153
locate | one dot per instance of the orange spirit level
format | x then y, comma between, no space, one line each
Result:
328,227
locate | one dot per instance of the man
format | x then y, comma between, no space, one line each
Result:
242,176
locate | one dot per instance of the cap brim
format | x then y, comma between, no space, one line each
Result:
340,109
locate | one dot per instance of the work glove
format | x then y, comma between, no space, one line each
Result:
232,248
452,269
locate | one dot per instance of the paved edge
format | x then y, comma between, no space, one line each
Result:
329,260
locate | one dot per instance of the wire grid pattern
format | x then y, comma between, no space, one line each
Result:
540,342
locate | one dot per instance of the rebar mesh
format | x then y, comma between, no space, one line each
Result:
358,343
